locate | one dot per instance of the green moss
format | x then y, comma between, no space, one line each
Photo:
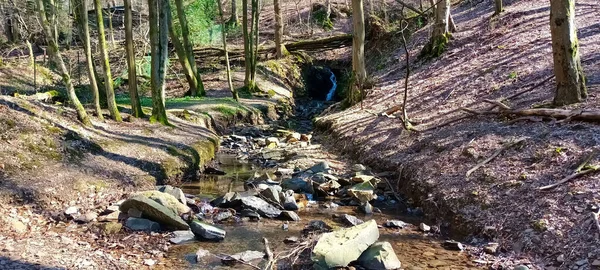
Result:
436,47
171,168
206,150
320,17
111,228
540,225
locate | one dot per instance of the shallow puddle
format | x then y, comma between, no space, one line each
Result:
414,249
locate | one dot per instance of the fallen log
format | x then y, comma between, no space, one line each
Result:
591,115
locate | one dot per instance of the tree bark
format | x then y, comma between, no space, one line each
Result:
84,32
256,17
247,43
441,30
136,107
111,31
108,82
184,61
279,48
158,43
189,53
570,79
227,67
62,68
498,7
234,19
358,51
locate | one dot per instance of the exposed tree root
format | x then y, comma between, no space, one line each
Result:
270,259
578,172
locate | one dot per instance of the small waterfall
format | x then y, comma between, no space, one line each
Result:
333,87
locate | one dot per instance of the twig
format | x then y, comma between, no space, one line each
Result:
578,171
569,178
270,259
495,154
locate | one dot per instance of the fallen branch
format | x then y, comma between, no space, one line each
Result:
495,154
270,259
224,256
578,172
577,114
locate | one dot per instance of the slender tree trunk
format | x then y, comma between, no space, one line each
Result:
279,47
224,37
189,53
158,41
62,68
136,107
84,33
108,82
256,17
570,79
52,14
234,19
184,61
111,31
358,51
247,43
385,12
30,51
498,7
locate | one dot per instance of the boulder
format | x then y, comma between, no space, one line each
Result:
379,256
271,194
245,256
351,220
167,200
176,192
142,224
339,248
206,231
260,206
154,211
363,192
225,200
321,167
298,185
289,215
182,237
395,224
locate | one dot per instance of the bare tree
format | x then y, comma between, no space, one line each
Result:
159,28
359,71
570,79
108,81
279,47
185,52
440,34
498,7
62,68
136,107
234,92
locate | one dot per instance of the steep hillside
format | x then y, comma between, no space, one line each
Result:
505,58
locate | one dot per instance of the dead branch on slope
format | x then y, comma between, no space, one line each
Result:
583,169
495,154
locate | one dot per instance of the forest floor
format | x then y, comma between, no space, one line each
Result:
488,58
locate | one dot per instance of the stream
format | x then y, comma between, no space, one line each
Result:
414,248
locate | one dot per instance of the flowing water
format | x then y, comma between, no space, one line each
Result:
414,249
331,92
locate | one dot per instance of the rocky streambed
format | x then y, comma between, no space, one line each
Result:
315,210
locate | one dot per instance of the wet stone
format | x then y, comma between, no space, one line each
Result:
142,224
181,237
351,220
289,215
245,256
452,245
206,231
395,224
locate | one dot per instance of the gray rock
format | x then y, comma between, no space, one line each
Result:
318,226
71,210
453,245
253,215
225,200
521,267
366,208
87,217
298,185
155,211
288,201
379,256
142,224
321,167
246,256
273,154
201,253
289,215
284,171
176,192
359,167
222,216
351,220
206,231
339,248
424,227
167,200
134,212
261,206
291,240
271,194
395,224
182,237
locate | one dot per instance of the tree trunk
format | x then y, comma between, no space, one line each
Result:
84,33
108,82
279,48
224,37
30,51
158,41
441,31
111,31
184,61
62,68
52,14
233,20
570,80
256,17
189,53
136,107
498,7
358,51
247,43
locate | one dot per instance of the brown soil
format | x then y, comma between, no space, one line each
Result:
489,58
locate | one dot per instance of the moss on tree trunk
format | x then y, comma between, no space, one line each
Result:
108,82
